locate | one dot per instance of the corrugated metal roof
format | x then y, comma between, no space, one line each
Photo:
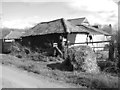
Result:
14,35
55,26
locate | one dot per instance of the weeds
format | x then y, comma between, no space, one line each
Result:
40,64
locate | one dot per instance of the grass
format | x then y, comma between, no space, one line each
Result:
101,81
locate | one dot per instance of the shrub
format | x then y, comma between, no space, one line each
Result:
83,59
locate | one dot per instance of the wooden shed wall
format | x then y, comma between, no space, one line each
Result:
42,42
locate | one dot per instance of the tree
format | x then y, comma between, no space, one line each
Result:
118,34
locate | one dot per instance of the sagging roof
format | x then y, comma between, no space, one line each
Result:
78,21
55,26
14,35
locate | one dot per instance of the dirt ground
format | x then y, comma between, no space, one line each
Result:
24,79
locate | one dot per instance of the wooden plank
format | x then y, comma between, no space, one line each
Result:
98,47
91,42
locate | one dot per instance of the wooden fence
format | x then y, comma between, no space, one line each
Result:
107,49
94,47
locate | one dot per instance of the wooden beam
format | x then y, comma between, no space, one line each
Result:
59,51
97,47
91,42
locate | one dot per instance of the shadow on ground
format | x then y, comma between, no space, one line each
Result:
64,66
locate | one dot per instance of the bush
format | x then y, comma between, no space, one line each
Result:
83,59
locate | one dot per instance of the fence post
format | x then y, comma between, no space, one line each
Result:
111,49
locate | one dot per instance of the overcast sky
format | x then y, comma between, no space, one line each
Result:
26,13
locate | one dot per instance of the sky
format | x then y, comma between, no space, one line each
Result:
27,13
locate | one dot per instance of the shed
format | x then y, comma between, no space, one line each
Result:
14,35
45,34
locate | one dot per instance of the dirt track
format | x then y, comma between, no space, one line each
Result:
14,78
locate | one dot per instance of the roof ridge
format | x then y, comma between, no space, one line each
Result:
77,18
51,21
46,22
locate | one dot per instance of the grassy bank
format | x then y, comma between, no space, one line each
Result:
54,69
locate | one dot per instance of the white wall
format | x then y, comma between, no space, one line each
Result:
81,38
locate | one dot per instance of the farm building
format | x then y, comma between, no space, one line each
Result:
95,34
13,36
47,34
3,33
